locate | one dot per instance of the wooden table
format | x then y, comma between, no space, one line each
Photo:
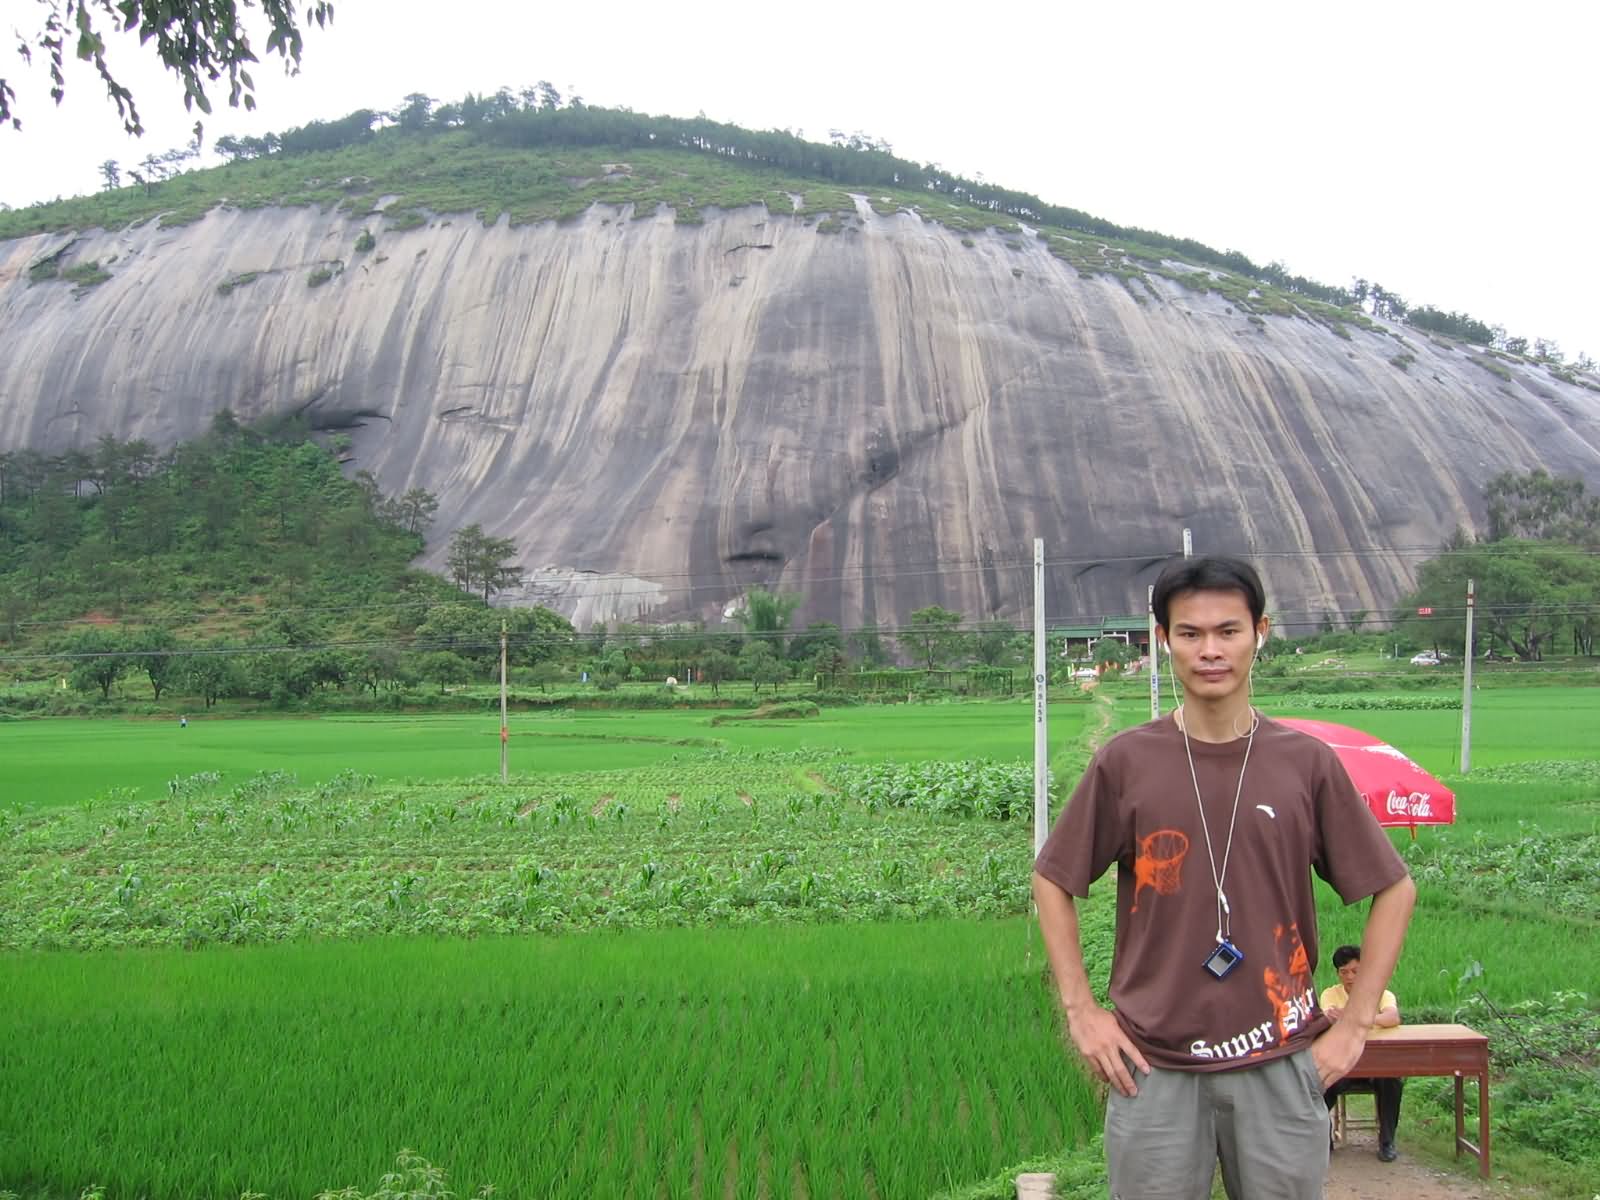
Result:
1408,1050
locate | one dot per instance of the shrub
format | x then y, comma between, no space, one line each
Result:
971,788
319,277
365,242
406,218
771,712
237,281
86,274
1386,703
1489,365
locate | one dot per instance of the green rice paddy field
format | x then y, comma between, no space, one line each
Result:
670,958
50,762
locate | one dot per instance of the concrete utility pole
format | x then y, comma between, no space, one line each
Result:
505,735
1466,684
1041,743
1188,544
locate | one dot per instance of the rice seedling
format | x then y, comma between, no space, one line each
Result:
744,984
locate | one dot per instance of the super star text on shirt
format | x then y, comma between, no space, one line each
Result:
1260,1037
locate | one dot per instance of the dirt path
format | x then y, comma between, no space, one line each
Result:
1356,1174
1098,727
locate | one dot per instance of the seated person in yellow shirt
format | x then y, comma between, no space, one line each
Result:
1347,961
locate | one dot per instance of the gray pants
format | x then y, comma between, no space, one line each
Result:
1268,1125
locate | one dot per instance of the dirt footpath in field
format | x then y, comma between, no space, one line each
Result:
1356,1174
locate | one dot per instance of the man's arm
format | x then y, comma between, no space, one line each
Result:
1337,1050
1326,1004
1094,1031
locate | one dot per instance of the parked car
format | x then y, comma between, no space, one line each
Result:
1086,673
1426,659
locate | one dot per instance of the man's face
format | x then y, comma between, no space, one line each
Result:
1348,973
1213,642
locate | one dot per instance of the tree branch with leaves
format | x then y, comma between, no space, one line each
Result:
202,42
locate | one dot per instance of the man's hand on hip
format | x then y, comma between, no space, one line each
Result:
1337,1051
1102,1043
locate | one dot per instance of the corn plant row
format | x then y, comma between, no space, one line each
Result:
267,860
999,791
886,1061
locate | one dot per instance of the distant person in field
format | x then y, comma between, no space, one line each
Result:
1215,817
183,722
1334,1000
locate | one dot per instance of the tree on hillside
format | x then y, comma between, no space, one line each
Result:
478,562
1526,593
199,41
14,609
536,634
444,668
992,642
934,636
1111,652
379,666
819,637
759,664
211,672
464,629
548,672
158,657
413,511
716,668
765,615
830,660
100,658
866,644
414,113
1539,506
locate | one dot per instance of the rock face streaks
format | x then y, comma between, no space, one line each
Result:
881,418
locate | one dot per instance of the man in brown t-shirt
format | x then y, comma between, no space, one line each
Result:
1215,818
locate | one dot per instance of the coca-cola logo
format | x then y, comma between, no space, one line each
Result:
1417,804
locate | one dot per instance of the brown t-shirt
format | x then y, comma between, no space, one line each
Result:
1135,807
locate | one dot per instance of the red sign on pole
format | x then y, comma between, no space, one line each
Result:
1424,612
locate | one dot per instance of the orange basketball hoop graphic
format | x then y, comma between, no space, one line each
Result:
1159,863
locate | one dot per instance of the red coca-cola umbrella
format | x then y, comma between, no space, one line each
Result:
1396,790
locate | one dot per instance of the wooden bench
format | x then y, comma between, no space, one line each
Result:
1410,1050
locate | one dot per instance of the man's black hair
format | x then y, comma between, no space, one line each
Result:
1346,954
1213,573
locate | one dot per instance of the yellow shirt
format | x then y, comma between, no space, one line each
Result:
1337,997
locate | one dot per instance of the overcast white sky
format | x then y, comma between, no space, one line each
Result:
1444,150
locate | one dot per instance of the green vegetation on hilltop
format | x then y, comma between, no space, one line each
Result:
241,563
534,160
124,528
531,156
